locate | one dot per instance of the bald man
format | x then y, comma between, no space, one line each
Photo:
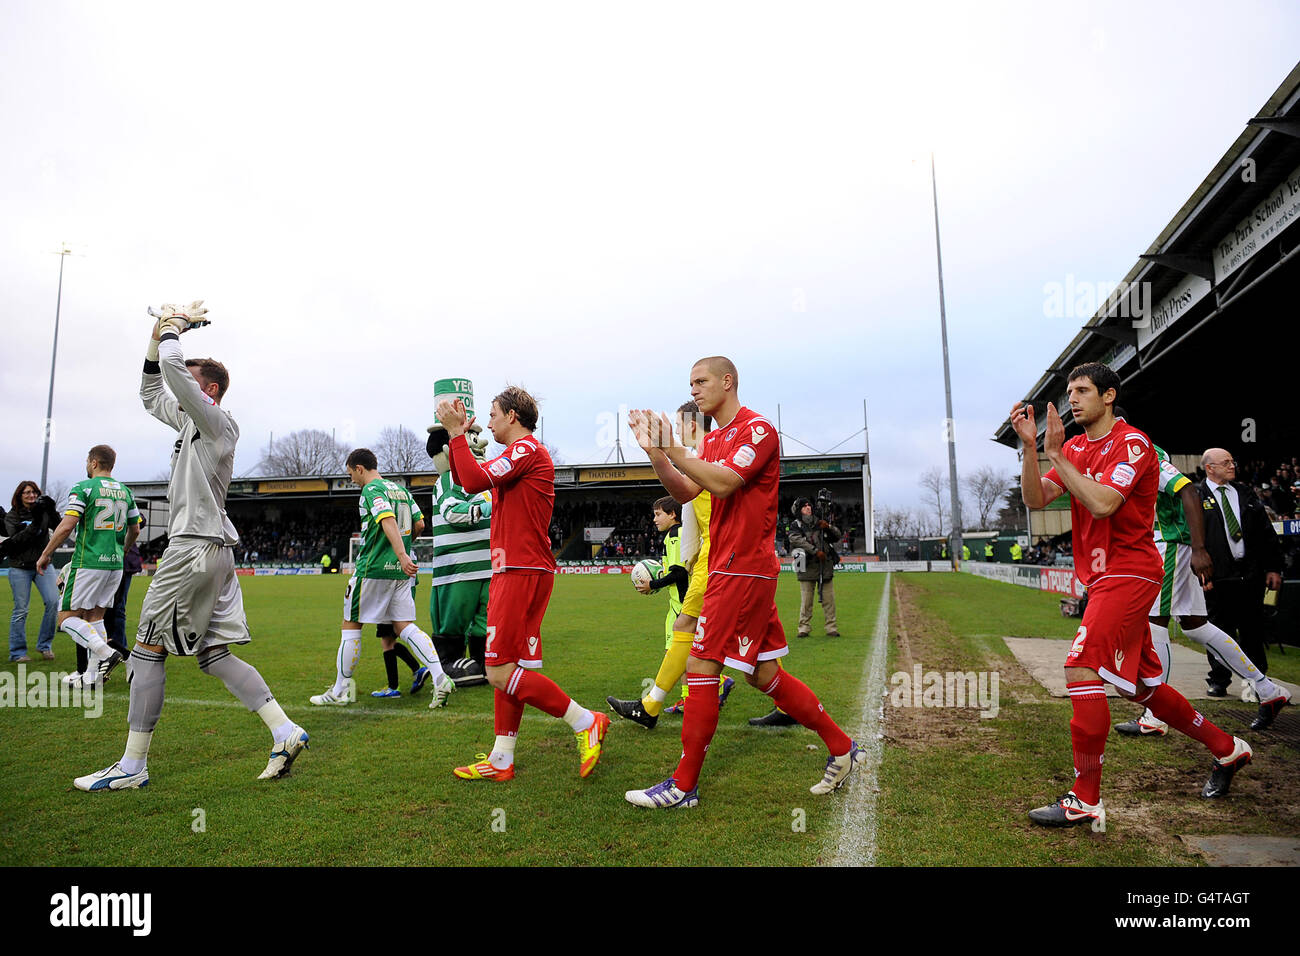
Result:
1247,558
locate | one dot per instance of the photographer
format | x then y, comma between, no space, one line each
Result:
812,533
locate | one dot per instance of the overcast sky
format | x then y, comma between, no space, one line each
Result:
583,199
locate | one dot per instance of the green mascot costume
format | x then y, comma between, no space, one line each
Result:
462,554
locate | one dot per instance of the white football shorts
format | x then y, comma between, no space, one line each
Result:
194,602
378,600
86,588
1180,592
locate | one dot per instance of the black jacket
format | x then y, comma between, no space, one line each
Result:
1263,554
27,532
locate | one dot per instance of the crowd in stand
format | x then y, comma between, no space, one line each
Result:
1050,551
301,542
1278,485
634,532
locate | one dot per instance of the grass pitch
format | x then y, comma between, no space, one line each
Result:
376,786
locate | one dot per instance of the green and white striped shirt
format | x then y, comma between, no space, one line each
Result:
461,546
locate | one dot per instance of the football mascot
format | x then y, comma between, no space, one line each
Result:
462,555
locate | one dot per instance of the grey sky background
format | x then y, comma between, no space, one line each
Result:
584,198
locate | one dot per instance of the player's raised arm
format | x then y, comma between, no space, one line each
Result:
195,400
718,480
646,428
157,401
465,468
1036,490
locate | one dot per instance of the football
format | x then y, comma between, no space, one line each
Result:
643,572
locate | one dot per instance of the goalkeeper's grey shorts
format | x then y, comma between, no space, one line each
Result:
194,602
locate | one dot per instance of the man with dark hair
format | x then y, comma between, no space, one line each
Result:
210,372
522,481
1111,473
739,626
515,399
193,605
379,591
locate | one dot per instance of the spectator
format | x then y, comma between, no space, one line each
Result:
1247,558
27,526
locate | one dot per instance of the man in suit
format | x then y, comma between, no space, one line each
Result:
1247,558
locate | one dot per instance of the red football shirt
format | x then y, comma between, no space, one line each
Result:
742,526
1121,545
522,479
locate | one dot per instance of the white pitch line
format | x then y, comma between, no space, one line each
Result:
857,830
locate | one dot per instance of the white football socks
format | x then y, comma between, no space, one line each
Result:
101,629
85,634
136,756
503,752
1159,641
276,720
1230,654
422,647
578,717
346,664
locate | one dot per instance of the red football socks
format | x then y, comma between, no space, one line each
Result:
532,687
699,723
508,712
795,698
1088,730
1173,708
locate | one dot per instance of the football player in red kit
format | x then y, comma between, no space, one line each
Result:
1111,473
739,464
522,481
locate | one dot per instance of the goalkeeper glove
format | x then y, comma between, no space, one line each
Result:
181,318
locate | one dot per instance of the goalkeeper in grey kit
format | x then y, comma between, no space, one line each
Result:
193,605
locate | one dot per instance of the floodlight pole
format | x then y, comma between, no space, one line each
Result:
954,548
63,253
868,507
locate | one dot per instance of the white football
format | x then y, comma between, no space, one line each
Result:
643,572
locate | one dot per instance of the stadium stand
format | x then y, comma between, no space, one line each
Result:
1198,331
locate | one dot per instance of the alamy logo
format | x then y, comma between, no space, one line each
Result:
960,689
39,688
74,909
